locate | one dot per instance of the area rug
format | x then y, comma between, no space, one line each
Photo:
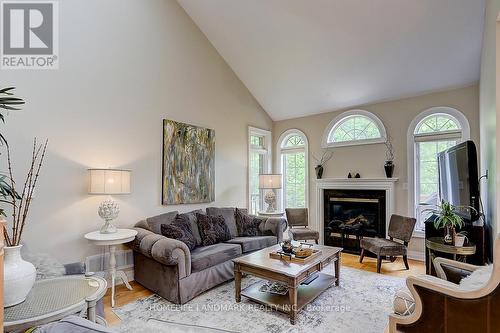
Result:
361,303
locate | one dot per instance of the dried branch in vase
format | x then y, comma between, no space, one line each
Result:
21,202
325,157
389,152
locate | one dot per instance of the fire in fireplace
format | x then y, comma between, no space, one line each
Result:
351,215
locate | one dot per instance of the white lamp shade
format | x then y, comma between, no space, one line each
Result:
270,181
109,181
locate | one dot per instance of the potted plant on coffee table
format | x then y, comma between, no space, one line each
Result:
448,219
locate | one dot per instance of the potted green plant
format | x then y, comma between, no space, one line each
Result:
448,219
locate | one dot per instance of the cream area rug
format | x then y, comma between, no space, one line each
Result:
361,304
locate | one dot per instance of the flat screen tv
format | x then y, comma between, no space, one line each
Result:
458,178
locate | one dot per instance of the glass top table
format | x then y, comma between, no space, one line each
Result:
53,299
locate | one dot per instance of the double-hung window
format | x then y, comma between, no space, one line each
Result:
433,133
293,158
259,162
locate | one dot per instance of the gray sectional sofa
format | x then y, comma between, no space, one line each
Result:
167,267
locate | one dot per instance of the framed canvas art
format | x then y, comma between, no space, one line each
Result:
188,174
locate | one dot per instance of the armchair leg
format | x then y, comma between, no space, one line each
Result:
362,255
316,241
405,260
379,263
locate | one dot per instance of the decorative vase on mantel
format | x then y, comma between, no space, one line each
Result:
319,171
389,169
19,276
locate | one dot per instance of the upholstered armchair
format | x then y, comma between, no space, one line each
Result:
442,306
400,228
298,220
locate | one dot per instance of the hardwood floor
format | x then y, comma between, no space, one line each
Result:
397,268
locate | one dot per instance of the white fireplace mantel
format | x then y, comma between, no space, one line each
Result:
386,184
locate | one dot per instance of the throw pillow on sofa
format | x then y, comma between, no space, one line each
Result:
191,217
155,222
180,230
248,225
213,229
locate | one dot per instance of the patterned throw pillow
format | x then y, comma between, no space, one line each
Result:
213,229
248,225
180,230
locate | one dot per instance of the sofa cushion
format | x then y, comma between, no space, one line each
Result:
180,229
229,218
155,222
213,229
477,280
248,225
191,218
207,256
249,244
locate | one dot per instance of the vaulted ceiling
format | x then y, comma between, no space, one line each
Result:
301,57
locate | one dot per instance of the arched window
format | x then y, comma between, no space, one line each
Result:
355,127
430,133
294,164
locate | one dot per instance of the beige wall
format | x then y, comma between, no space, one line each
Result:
488,116
124,66
368,160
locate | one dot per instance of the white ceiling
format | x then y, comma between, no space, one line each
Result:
301,57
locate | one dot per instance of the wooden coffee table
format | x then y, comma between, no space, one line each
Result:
259,264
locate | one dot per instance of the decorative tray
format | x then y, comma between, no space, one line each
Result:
293,258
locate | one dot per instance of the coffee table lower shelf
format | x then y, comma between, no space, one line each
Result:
305,294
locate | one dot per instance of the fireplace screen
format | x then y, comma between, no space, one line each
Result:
351,215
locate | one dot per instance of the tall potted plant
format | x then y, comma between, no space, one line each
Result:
448,219
19,275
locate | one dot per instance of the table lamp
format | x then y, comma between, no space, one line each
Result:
109,181
270,182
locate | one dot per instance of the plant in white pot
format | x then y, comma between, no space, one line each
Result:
19,275
448,219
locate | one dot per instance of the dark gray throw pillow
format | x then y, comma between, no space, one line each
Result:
180,230
191,217
213,229
248,225
155,222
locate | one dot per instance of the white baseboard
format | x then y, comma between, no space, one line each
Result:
416,255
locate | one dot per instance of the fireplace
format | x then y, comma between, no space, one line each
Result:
351,214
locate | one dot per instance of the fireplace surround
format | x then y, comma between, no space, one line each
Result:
360,184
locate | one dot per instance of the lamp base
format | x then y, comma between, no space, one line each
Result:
270,200
108,228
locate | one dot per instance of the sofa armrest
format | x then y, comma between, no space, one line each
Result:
167,251
452,270
275,226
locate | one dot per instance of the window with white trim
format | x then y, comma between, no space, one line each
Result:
432,132
294,164
355,127
259,162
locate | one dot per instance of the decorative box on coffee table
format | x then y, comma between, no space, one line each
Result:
260,264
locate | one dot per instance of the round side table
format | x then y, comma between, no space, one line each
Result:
437,244
54,299
271,214
121,236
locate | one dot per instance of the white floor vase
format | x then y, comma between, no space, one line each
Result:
19,276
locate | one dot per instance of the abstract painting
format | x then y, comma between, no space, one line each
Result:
188,164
